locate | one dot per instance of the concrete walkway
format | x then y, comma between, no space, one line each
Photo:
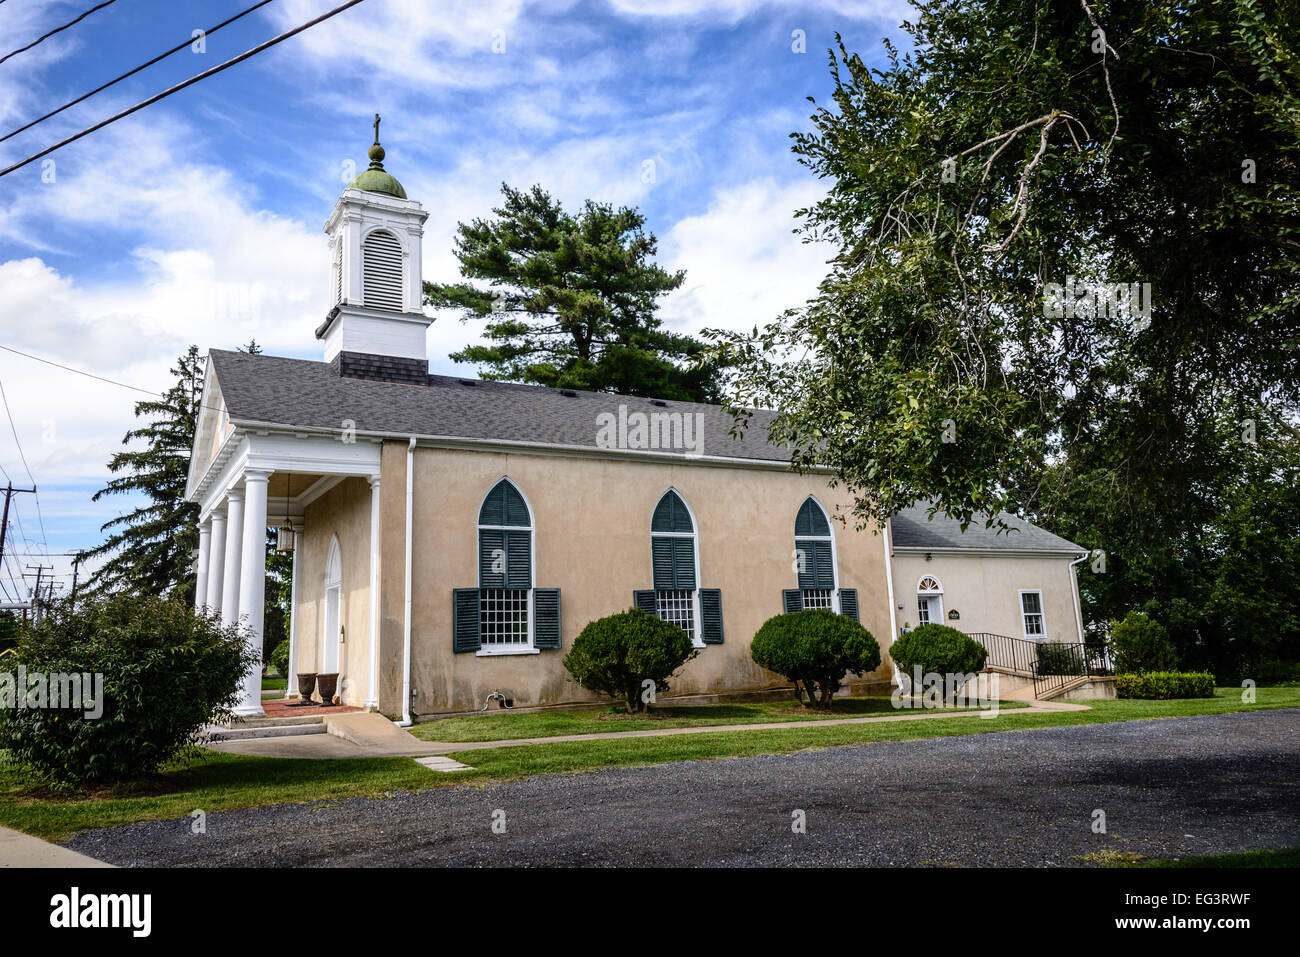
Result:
22,850
372,735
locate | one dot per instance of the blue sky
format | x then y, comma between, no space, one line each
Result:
199,218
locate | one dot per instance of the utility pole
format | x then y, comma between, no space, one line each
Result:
10,492
72,598
36,591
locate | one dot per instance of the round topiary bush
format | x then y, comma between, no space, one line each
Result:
939,649
616,655
815,649
154,670
1139,645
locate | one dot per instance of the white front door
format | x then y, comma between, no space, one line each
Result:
929,609
330,653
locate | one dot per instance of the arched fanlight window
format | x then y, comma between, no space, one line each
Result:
929,600
505,568
672,550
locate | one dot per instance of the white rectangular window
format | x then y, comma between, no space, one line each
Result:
1031,606
504,617
816,598
677,607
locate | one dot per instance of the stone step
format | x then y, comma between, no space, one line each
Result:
305,726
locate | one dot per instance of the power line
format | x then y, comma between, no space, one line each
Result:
39,517
70,23
162,56
51,362
183,84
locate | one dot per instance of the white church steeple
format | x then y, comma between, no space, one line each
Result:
376,328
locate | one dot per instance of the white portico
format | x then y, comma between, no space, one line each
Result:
249,474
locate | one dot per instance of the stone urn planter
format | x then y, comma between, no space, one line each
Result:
327,685
306,682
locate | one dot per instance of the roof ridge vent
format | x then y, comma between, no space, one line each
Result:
659,402
467,382
569,392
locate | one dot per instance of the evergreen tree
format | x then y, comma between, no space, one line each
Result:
151,549
570,301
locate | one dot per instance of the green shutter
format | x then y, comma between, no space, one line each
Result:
671,515
546,617
491,550
504,506
811,520
465,629
519,560
849,602
711,615
684,563
792,598
661,552
825,566
645,600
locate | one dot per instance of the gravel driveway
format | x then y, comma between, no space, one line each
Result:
1175,787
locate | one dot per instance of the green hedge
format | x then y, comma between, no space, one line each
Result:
815,649
1165,684
616,655
938,648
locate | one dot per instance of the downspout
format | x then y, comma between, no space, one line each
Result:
1074,587
406,620
889,584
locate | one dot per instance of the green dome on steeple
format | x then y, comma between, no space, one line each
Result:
375,179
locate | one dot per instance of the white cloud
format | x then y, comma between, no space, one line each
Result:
743,264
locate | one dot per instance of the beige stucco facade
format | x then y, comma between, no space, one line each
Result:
984,589
591,528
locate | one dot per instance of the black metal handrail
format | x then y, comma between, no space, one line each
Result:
1051,664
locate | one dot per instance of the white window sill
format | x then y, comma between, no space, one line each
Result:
498,652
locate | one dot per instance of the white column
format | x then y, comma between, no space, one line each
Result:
292,687
201,566
252,584
372,697
230,573
216,559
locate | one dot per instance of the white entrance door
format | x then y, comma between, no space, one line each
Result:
330,655
929,609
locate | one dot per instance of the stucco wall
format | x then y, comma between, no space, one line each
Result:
592,532
343,511
986,591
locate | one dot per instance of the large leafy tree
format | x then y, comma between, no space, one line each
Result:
570,300
151,548
1023,143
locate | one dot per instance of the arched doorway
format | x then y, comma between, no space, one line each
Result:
333,616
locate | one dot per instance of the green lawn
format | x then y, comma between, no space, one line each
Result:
274,683
507,726
223,781
1288,857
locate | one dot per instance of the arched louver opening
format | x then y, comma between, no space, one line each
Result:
672,551
381,257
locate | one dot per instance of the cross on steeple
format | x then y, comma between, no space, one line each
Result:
376,129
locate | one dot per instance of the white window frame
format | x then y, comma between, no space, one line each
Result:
514,649
835,554
934,598
697,640
1042,614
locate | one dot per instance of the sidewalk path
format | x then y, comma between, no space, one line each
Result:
22,850
407,745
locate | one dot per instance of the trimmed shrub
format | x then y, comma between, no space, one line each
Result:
938,648
279,659
1165,684
1056,658
815,649
1138,644
618,654
166,672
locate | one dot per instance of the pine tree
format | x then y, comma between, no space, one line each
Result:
570,301
151,549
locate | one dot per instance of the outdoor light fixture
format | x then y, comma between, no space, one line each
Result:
284,534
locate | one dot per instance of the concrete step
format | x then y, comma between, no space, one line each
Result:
305,726
266,721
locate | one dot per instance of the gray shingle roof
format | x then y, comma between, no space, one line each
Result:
299,393
911,529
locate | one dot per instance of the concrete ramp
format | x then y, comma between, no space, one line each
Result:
373,732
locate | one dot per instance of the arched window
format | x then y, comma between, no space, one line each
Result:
672,550
929,601
505,568
332,620
814,556
381,265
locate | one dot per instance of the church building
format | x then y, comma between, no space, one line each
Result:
451,536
